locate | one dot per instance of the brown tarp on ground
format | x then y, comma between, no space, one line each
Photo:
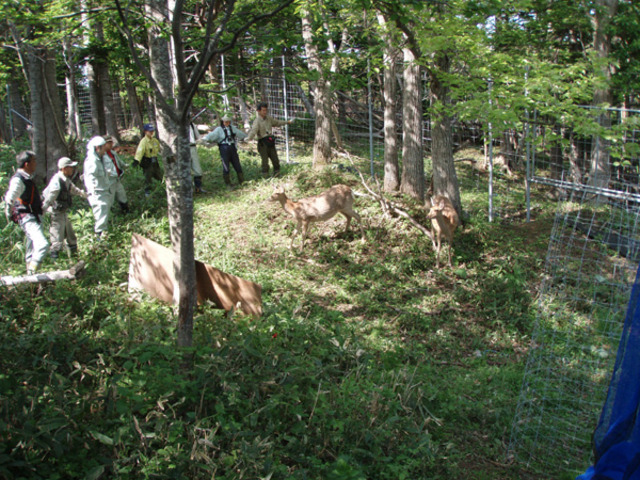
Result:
151,270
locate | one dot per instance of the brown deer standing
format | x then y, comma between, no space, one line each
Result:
444,220
338,199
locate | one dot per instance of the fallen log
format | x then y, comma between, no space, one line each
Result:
72,274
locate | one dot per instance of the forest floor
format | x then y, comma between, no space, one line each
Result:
368,362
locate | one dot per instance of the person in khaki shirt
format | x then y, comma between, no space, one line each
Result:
57,202
261,129
147,155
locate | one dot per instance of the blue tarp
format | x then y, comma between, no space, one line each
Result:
616,440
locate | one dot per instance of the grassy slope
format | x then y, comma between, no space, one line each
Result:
368,363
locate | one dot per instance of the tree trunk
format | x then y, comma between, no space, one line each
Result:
576,162
96,98
110,123
322,141
20,110
74,128
391,170
46,111
445,179
556,156
305,99
118,110
134,104
177,165
600,169
412,161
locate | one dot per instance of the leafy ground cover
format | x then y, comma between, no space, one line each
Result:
367,363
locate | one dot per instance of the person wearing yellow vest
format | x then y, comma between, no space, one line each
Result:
147,155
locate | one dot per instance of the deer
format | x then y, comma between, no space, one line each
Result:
444,220
319,208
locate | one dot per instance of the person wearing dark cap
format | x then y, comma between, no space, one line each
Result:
226,136
57,201
147,155
116,166
24,206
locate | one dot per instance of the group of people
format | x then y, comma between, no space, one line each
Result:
103,171
227,136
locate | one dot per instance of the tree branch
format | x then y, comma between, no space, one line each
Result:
387,206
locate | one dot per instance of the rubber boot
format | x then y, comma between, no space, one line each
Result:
124,207
227,179
32,267
240,178
197,183
54,254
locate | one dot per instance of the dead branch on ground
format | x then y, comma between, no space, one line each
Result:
388,207
73,273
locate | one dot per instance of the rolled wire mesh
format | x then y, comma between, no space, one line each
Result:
590,269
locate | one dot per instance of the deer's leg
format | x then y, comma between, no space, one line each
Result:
438,245
346,215
305,227
295,233
359,218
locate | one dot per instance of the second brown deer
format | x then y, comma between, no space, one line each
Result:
444,221
338,199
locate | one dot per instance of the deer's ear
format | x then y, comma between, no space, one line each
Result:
441,205
429,202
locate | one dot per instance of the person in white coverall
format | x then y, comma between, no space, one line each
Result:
196,169
101,184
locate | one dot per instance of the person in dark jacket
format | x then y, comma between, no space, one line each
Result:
23,205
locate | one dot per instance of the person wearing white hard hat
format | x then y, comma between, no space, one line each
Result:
226,136
101,186
196,168
57,202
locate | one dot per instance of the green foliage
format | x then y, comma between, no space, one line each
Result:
367,363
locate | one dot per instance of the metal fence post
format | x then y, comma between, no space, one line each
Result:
527,179
370,102
490,84
286,109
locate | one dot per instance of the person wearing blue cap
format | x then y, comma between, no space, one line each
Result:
147,155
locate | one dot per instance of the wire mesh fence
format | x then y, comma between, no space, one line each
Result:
593,250
591,264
